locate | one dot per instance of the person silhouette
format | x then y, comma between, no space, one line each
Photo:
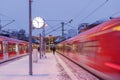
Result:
53,49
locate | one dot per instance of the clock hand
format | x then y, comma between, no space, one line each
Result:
37,22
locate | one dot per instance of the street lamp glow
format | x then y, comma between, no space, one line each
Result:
38,22
46,24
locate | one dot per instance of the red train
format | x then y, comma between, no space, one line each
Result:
97,49
11,48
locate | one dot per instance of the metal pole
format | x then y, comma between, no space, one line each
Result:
30,38
0,27
40,46
62,30
44,41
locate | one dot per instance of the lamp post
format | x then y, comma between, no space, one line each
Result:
30,38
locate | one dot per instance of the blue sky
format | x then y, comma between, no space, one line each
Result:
59,10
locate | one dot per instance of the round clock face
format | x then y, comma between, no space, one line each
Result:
38,22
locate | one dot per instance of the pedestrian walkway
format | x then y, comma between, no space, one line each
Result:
46,69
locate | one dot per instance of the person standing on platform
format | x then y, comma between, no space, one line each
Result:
53,49
39,52
35,55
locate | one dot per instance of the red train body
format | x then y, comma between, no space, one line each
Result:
97,49
11,48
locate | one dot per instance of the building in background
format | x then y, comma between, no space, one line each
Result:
81,27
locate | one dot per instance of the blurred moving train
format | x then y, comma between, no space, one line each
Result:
11,48
96,49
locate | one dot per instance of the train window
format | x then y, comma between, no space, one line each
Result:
75,48
23,47
9,48
0,48
20,47
14,47
5,48
91,43
27,48
67,48
80,48
89,48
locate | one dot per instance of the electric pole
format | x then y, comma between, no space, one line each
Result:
62,30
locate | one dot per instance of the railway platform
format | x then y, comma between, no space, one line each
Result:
50,68
53,67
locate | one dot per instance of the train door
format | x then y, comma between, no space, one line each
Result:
5,50
21,48
17,49
11,49
1,51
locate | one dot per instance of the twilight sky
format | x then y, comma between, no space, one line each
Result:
56,11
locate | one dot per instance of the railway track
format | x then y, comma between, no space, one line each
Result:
80,72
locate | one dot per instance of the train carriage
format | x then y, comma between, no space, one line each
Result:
97,49
11,48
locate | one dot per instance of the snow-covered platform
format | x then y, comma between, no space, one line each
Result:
50,68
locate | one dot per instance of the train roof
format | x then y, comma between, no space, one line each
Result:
4,38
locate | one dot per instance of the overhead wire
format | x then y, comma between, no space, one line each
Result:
6,16
83,9
54,21
91,12
9,21
56,28
52,27
53,30
95,10
118,12
86,7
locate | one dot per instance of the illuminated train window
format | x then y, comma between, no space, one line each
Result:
75,48
89,48
5,47
14,47
0,48
20,47
11,47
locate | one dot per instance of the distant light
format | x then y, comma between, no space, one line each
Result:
45,25
116,28
38,22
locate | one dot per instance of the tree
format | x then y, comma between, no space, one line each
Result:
21,34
